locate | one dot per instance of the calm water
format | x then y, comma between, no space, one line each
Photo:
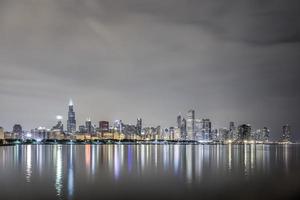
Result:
150,172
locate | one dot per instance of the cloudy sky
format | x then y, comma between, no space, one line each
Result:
234,60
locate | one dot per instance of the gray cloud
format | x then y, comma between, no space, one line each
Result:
233,60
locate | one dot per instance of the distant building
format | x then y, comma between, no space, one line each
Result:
232,132
190,125
286,133
104,126
244,132
262,135
206,129
179,120
139,126
223,134
59,126
40,133
88,126
183,133
198,130
71,123
1,133
17,131
82,129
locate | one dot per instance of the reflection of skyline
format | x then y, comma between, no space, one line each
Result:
188,163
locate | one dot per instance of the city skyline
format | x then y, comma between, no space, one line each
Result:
190,127
228,61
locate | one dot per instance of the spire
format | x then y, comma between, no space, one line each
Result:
71,102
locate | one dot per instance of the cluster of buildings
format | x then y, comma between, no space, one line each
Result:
188,128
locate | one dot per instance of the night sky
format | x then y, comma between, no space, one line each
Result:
233,60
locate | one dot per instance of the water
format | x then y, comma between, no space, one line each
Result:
150,172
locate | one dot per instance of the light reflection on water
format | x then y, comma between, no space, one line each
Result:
64,170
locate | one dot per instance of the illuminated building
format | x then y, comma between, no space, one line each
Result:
104,126
59,126
40,133
244,132
262,135
179,121
190,125
1,133
82,129
198,130
139,126
206,129
223,134
88,126
286,133
232,132
17,131
71,123
183,129
171,133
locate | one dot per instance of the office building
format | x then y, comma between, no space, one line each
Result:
190,125
71,123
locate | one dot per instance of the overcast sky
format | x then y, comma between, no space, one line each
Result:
233,60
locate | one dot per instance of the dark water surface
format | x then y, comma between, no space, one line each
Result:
150,172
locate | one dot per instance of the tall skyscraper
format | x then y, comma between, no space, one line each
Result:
1,133
286,133
139,126
17,131
190,125
206,129
244,132
71,123
232,131
183,129
179,121
104,126
88,126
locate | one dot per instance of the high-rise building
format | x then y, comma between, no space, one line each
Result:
1,133
17,131
82,129
104,126
139,126
71,123
190,125
179,121
59,126
232,131
206,129
198,130
183,129
244,132
262,134
89,126
286,133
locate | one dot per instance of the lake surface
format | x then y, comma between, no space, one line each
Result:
150,172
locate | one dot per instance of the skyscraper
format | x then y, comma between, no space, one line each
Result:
190,125
179,121
232,131
286,133
88,126
17,131
71,123
139,126
59,126
244,132
104,126
183,129
206,129
1,133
